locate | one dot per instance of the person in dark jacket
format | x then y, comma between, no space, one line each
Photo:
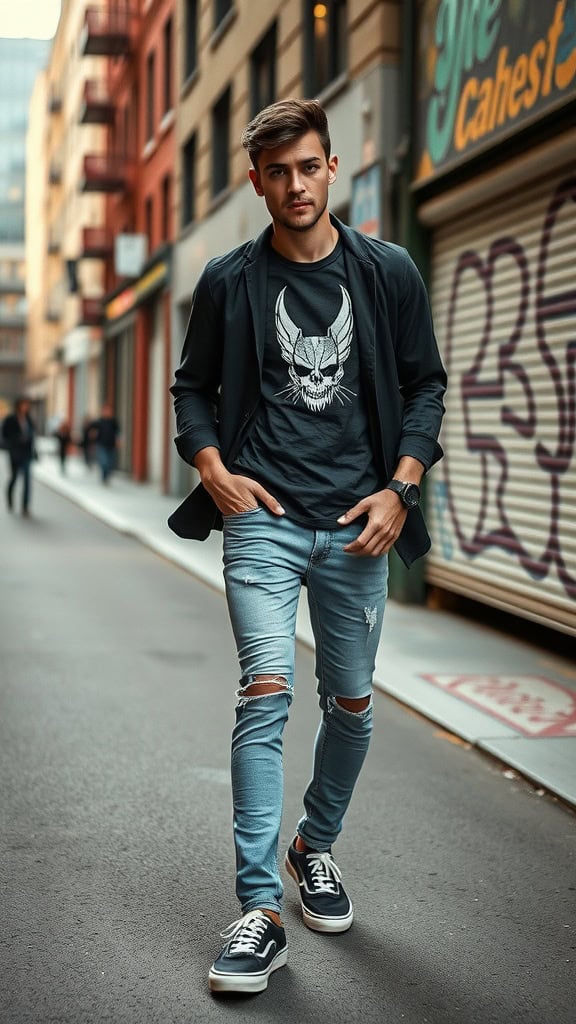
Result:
106,431
87,440
64,438
309,398
18,433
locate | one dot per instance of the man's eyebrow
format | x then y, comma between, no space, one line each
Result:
308,160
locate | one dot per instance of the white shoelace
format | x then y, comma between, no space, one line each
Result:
244,934
324,871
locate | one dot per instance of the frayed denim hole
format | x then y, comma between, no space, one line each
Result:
284,689
334,708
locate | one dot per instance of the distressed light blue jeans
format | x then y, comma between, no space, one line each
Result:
267,559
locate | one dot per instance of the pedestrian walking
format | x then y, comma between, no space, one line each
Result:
106,433
18,433
63,436
87,440
309,397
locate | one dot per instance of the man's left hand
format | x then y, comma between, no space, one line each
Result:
386,517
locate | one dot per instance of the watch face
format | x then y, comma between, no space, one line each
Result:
411,495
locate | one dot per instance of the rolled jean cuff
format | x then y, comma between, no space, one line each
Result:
261,904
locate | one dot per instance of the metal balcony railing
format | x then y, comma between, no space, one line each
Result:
54,101
106,33
11,285
12,317
96,106
54,173
12,349
96,243
90,312
104,174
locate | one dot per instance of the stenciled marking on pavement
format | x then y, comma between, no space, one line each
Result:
535,706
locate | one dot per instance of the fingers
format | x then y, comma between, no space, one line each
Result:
371,544
376,538
353,513
268,499
233,494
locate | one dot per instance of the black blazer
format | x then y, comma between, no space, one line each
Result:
217,386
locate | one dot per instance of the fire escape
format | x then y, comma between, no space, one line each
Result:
105,33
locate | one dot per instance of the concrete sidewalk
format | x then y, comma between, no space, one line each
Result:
505,697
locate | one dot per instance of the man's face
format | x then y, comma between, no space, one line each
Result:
294,180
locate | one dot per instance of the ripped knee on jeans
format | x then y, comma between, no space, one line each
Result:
262,686
356,705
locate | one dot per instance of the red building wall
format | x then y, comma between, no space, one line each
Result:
143,134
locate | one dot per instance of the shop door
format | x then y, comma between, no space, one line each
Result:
124,394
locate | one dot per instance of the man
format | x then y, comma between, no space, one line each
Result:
106,431
18,437
309,398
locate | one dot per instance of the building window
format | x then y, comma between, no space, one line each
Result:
221,144
325,43
150,75
188,181
190,38
263,72
166,207
149,223
221,8
168,66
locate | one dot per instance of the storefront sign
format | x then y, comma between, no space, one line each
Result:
366,201
130,254
137,292
487,68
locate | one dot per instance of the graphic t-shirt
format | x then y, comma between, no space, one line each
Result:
310,443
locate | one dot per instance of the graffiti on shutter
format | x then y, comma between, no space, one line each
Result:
503,501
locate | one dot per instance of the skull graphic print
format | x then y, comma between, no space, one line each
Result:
316,362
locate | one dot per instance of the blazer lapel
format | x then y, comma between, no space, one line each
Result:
256,275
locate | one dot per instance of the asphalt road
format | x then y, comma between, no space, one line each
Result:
117,673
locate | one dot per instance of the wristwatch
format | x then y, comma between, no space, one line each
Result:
409,494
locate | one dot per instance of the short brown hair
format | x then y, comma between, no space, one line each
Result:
284,122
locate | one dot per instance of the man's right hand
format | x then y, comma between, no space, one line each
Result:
231,493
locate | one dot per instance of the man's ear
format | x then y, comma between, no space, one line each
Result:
332,169
255,179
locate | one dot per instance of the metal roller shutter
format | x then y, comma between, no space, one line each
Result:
502,504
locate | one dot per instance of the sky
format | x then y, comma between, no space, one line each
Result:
34,19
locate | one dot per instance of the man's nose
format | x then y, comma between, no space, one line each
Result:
294,184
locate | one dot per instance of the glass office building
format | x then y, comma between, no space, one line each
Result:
20,62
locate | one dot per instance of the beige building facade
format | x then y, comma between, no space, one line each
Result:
65,269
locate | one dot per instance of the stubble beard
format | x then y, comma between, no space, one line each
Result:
291,226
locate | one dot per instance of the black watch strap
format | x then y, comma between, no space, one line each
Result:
408,493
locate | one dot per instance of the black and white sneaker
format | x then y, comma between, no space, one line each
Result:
325,903
255,948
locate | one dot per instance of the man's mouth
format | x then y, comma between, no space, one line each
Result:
300,205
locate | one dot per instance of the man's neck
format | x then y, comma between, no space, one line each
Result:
305,246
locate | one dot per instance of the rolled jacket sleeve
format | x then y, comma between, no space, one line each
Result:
421,374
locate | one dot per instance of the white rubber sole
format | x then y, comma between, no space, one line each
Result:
327,925
248,983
